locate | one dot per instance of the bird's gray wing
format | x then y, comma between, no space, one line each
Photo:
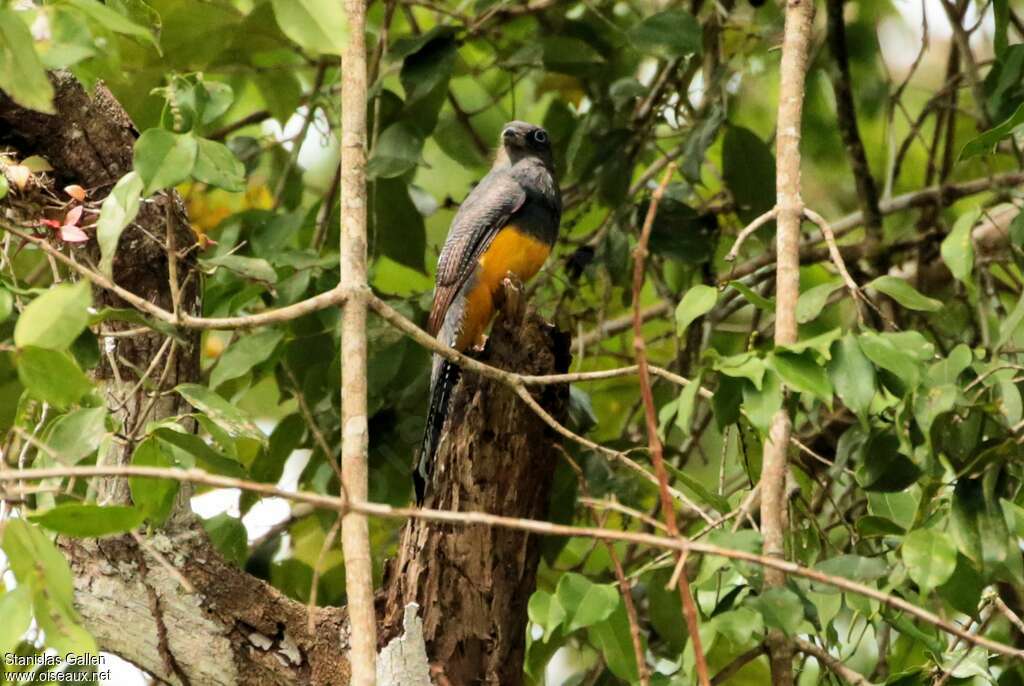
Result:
484,212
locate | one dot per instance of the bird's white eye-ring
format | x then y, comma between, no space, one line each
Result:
540,136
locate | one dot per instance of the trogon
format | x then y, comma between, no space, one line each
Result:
506,225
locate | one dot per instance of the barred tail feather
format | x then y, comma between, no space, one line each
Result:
440,396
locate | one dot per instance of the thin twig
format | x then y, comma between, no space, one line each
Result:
643,672
833,663
668,511
339,504
331,298
748,230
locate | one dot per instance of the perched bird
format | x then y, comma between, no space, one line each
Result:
505,227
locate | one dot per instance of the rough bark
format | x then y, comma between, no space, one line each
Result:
234,628
473,583
89,142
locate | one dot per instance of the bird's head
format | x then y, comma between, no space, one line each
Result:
520,140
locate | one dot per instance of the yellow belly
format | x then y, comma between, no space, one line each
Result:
510,251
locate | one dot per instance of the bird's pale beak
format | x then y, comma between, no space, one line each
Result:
510,135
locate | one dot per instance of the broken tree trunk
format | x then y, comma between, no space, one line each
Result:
473,583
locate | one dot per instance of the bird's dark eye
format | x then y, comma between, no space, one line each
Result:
540,136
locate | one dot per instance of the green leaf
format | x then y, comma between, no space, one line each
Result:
16,609
781,609
853,567
254,268
51,376
886,352
22,75
933,401
113,20
884,467
743,365
986,142
398,228
699,490
957,247
686,404
153,497
316,25
669,34
726,400
905,294
813,300
78,434
6,301
397,151
92,521
38,565
930,557
872,525
190,451
585,603
801,373
164,159
697,302
56,318
613,639
569,55
664,608
545,611
948,370
1001,12
228,417
964,588
217,166
820,344
1009,326
4,186
229,537
761,405
427,65
245,353
119,209
748,169
753,297
977,523
852,375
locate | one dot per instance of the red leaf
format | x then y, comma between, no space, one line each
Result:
52,223
76,192
70,233
73,215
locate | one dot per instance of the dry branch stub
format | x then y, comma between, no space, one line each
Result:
473,583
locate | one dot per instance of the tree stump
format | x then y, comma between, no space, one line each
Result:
473,583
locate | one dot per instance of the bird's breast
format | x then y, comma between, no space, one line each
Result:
511,250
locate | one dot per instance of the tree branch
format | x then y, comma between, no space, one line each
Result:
651,417
355,440
846,113
468,518
793,71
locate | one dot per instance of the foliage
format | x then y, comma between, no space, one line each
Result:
907,475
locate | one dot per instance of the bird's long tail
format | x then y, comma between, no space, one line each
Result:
441,388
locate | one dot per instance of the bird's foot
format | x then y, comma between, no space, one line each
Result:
513,298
